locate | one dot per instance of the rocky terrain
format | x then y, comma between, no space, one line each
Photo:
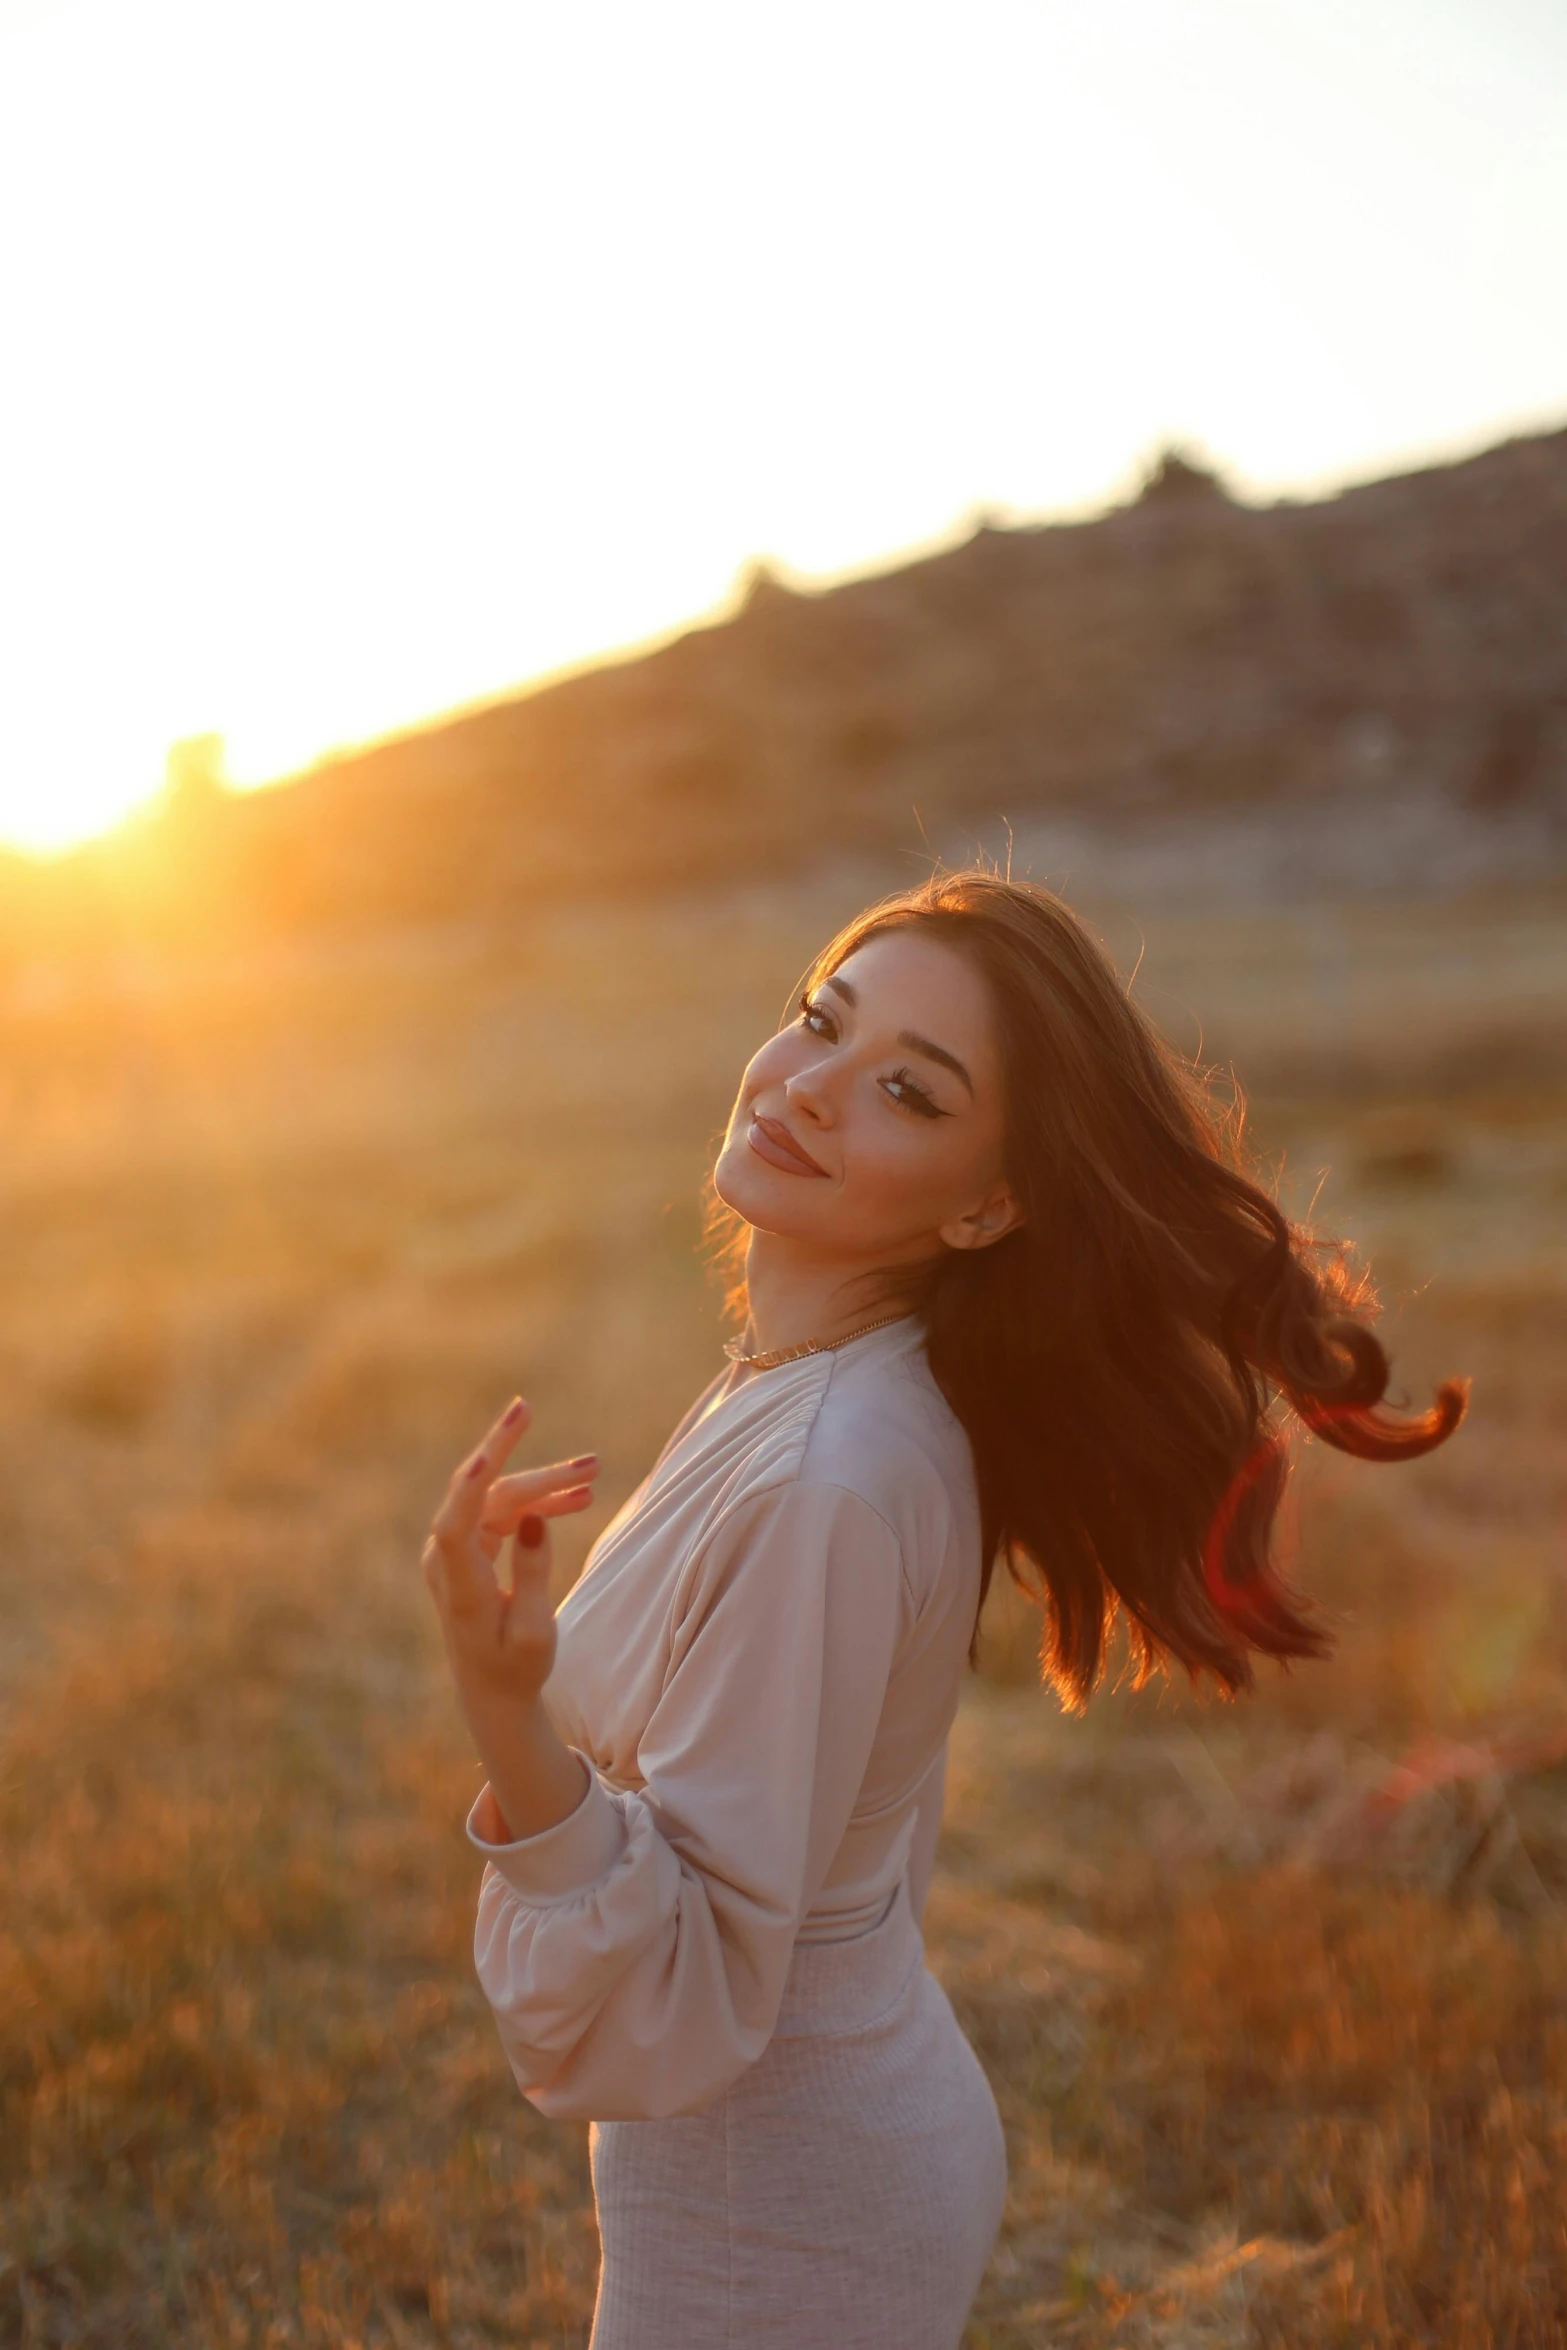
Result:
1187,692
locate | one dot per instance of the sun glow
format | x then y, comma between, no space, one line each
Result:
379,359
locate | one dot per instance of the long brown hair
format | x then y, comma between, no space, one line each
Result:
1126,1361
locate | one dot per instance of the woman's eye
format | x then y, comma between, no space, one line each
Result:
900,1086
910,1095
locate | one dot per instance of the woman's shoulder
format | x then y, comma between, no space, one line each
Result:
884,1431
866,1427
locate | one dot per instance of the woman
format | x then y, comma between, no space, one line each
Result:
1009,1293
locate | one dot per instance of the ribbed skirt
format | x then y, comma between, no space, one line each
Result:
844,2194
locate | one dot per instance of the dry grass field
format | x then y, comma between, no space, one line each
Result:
1272,1994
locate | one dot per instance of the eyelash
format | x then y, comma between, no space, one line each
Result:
918,1102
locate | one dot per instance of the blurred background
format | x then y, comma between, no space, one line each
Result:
517,522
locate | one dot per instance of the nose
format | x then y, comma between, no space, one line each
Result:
809,1093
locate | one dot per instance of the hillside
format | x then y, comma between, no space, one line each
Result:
1273,1996
1379,680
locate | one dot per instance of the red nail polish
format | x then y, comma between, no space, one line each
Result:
584,1460
514,1414
480,1464
530,1531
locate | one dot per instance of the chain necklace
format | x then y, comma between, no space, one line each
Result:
773,1356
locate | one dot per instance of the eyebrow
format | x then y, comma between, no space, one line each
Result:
910,1037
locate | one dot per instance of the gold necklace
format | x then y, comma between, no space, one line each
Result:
771,1357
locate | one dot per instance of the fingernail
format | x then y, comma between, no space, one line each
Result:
480,1464
530,1531
513,1414
584,1460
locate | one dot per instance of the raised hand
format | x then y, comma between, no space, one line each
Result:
500,1640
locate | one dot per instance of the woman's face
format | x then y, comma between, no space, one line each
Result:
872,1126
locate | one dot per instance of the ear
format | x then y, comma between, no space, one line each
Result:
1000,1214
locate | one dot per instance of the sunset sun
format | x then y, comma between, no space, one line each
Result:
367,362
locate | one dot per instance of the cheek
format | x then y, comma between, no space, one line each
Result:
902,1166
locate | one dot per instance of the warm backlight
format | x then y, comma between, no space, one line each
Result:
364,361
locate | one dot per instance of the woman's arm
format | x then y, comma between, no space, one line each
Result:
635,1953
533,1780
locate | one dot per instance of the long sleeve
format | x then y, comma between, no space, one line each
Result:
635,1954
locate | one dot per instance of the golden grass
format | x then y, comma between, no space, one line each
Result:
274,1243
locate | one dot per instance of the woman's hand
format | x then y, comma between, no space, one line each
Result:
500,1642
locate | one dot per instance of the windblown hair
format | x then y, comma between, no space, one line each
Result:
1127,1361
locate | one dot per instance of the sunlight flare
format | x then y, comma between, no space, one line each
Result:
375,362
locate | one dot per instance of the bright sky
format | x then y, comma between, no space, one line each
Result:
362,358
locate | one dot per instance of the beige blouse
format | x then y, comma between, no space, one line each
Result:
759,1664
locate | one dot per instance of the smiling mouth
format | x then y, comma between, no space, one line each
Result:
777,1146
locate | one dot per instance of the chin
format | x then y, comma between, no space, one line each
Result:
759,1193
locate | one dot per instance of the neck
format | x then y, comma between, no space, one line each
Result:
793,1295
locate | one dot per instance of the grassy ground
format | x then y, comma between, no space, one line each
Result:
1277,2066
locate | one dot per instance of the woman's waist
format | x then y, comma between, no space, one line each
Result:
843,1978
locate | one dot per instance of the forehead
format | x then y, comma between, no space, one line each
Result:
906,980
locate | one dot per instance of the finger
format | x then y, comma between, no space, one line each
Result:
458,1517
560,1505
493,1532
526,1489
494,1527
528,1624
498,1441
530,1551
469,1584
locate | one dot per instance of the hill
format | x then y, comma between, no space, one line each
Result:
1373,686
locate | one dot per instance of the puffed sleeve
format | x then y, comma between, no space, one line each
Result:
635,1954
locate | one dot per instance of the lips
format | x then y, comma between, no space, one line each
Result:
777,1146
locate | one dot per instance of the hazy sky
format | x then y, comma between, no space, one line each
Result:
361,358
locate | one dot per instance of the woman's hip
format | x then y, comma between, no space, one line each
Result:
846,2190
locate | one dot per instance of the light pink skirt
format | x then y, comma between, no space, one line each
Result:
844,2194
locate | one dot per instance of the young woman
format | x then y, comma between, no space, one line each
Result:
1009,1294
